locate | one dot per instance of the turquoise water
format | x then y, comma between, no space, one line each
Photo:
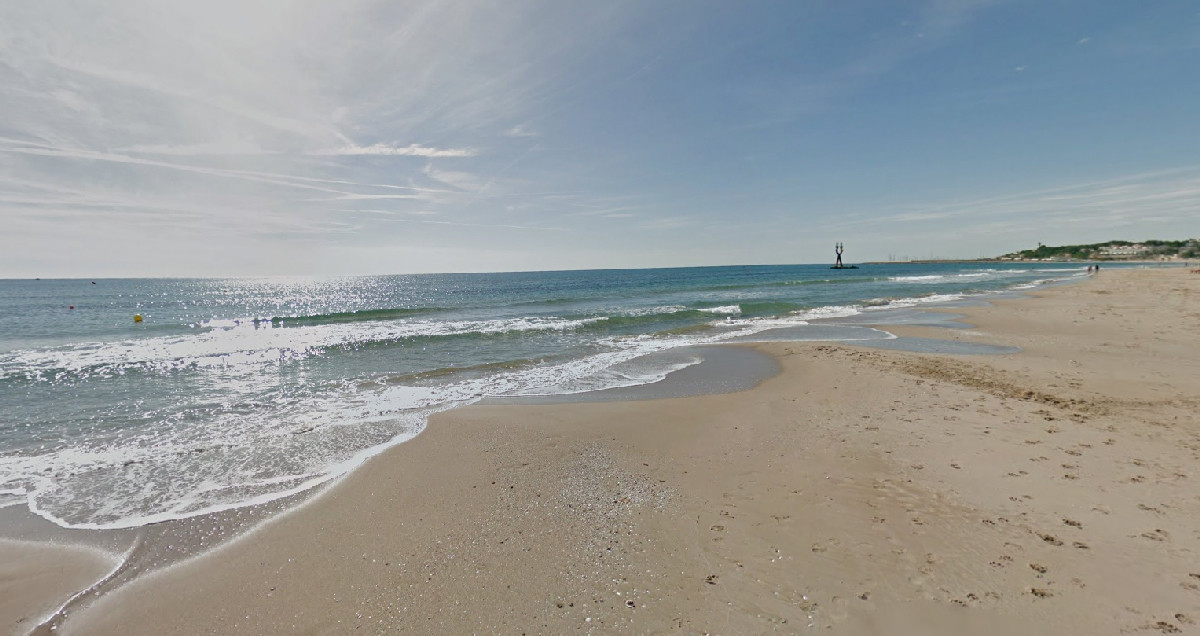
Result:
235,391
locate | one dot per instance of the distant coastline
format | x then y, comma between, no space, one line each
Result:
1131,261
1148,251
933,260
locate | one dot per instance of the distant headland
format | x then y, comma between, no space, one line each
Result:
1150,250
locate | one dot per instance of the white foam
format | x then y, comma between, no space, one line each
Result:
611,378
117,512
731,310
830,311
11,497
651,311
879,304
251,345
1032,284
196,470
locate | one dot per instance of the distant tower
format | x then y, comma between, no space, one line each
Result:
838,249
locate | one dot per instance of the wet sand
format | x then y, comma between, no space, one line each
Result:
38,578
859,491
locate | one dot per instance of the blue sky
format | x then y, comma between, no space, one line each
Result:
149,138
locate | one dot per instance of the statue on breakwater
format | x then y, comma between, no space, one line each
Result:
838,249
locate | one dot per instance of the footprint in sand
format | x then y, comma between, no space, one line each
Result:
1039,568
1158,534
1049,538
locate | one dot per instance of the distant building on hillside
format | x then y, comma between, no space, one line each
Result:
1112,250
1124,251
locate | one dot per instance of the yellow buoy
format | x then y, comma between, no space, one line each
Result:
137,317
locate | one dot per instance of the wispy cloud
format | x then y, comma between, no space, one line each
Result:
20,147
417,217
97,156
212,148
185,94
1137,203
371,197
411,150
520,131
666,223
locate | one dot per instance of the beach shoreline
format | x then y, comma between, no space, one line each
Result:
1039,492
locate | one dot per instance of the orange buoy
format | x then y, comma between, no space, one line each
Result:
137,317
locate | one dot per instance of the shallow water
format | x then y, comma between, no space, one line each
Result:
936,345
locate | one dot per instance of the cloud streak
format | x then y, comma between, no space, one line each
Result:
1137,206
411,150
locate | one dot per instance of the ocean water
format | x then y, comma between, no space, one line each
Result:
239,391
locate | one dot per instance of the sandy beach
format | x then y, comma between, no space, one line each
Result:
860,491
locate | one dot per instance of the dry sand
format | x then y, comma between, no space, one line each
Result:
860,491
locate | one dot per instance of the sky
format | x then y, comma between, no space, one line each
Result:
302,137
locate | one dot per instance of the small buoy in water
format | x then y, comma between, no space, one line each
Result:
137,317
71,307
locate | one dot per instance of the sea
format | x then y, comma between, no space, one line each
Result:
239,391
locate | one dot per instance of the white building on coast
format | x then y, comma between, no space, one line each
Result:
1124,251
